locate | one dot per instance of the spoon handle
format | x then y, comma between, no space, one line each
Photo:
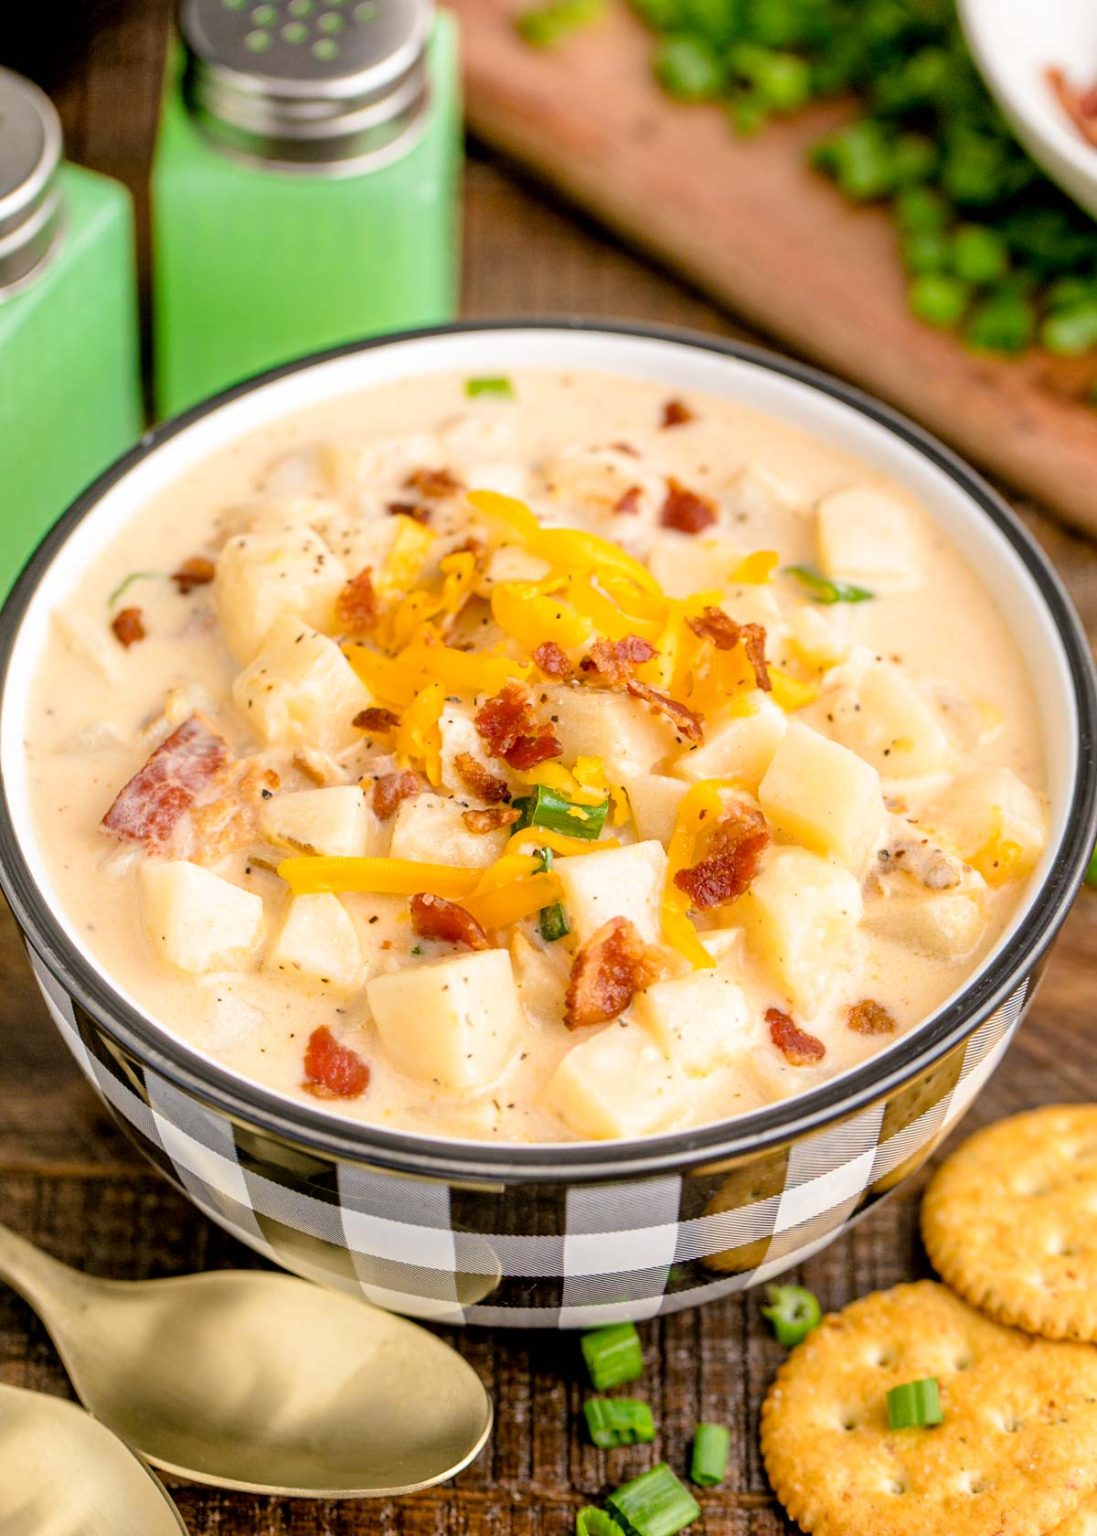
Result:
46,1284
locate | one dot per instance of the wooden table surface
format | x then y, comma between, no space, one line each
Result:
71,1182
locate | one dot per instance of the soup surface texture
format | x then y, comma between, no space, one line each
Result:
535,759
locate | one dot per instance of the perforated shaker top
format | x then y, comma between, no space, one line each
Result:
30,200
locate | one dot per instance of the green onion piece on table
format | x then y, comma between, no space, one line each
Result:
613,1421
822,590
613,1355
979,255
711,1453
689,69
940,299
595,1522
793,1312
1072,329
654,1504
496,385
544,26
1004,322
915,1405
546,808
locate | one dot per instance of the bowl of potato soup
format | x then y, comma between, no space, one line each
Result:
541,824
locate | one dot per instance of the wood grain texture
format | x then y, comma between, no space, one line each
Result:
749,223
70,1181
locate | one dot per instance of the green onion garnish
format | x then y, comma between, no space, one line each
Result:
124,585
595,1522
915,1404
793,1311
545,25
546,808
552,921
618,1421
1091,872
823,590
613,1355
495,385
711,1453
654,1504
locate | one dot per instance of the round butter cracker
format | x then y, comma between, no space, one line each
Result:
1016,1454
1010,1221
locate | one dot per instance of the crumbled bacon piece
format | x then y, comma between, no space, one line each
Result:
870,1018
614,659
685,722
552,659
676,413
128,626
391,789
356,606
434,484
490,820
149,806
478,781
198,571
719,627
333,1071
795,1044
628,503
754,643
730,862
413,509
684,510
612,966
511,731
432,917
376,719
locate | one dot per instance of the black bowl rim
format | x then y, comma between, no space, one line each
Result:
774,1125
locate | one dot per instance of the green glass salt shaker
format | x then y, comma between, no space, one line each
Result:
70,390
304,186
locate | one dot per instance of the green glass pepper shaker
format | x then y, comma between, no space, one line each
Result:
70,379
304,185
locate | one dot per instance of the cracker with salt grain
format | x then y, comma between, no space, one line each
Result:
1010,1221
1016,1454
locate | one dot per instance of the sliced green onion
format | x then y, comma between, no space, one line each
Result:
1072,329
793,1312
544,26
546,808
925,250
823,590
493,385
618,1421
711,1453
654,1504
124,585
1005,322
689,68
1091,872
595,1522
915,1404
979,255
552,921
940,299
921,211
613,1355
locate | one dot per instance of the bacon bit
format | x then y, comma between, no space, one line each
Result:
552,659
754,643
715,625
128,627
509,727
413,509
686,511
628,503
472,546
198,571
391,789
612,966
687,724
432,917
148,807
676,413
1079,105
614,659
490,820
870,1018
478,781
434,484
333,1071
356,606
730,862
375,719
795,1044
219,827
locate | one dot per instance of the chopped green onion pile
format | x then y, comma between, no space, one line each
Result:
546,25
546,808
915,1404
822,590
496,385
595,1522
654,1504
793,1312
711,1452
613,1421
613,1355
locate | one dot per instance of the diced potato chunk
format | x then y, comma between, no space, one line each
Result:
800,914
430,828
334,822
945,925
701,1021
683,564
317,944
301,690
816,639
741,747
456,1021
617,1083
993,820
865,536
654,798
821,794
885,720
195,920
460,736
593,723
510,562
620,882
266,576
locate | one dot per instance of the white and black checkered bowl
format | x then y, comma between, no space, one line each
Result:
575,1234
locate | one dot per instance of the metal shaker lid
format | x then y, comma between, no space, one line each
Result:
331,86
30,198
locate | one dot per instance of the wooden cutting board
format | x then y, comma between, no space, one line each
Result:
748,222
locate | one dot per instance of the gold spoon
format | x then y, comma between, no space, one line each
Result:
61,1472
259,1381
